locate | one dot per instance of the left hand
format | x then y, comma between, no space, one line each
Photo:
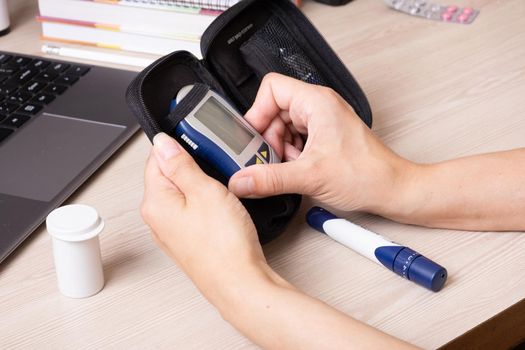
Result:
207,231
196,221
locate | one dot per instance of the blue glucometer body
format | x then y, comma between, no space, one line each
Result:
216,132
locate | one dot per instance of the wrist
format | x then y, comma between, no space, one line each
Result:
230,291
400,197
410,195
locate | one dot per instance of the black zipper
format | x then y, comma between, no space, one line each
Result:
135,86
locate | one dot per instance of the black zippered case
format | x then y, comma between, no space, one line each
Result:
243,44
334,2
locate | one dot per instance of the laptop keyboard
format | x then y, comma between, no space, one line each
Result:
28,84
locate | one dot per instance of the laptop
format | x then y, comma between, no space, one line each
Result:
59,122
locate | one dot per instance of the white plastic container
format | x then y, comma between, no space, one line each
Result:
74,230
4,18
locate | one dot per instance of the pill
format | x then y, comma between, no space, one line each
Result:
414,10
446,16
463,18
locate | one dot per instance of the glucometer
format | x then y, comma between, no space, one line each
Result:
216,132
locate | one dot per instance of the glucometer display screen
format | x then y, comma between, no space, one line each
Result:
224,124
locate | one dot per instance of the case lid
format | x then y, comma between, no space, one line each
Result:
256,37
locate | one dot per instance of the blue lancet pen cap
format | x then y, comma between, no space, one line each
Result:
427,273
317,216
413,266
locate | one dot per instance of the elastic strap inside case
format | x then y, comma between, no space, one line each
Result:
184,108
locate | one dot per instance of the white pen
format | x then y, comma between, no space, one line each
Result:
97,56
402,260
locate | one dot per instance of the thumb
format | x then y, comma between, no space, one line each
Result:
176,164
271,179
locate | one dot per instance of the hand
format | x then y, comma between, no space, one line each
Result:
196,220
209,234
342,164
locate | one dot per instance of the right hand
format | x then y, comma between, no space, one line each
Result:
343,164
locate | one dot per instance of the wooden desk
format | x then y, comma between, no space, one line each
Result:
437,91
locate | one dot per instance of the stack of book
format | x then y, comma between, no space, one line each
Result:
155,27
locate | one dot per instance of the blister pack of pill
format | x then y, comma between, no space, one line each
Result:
422,8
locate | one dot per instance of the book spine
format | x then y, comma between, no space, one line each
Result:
215,5
120,28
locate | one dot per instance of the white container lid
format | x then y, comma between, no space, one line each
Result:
74,223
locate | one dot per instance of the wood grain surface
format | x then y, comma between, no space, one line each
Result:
437,91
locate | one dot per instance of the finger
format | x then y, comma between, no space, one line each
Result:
285,116
277,93
159,194
290,152
287,135
152,173
271,179
298,140
274,135
177,165
156,184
